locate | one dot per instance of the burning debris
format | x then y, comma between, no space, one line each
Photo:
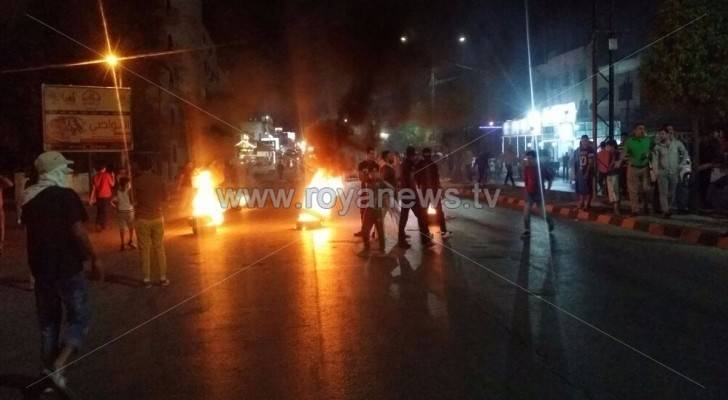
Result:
315,214
207,214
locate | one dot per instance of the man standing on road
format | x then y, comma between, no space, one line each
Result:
410,201
427,176
364,168
150,196
57,248
584,172
389,179
669,156
482,163
637,155
533,194
101,194
509,157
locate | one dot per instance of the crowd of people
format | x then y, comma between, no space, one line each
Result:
653,174
401,183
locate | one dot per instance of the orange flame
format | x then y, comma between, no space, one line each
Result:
205,204
321,179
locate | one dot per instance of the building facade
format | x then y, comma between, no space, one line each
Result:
563,97
187,79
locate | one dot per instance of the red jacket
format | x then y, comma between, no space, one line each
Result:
530,179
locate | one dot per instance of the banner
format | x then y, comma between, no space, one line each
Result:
86,118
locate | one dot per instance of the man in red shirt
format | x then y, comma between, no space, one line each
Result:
533,191
101,194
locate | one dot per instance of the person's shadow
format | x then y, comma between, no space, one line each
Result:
18,386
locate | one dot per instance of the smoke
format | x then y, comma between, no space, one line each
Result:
334,144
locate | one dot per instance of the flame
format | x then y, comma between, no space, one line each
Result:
205,203
431,210
321,179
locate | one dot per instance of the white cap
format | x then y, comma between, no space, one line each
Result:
49,161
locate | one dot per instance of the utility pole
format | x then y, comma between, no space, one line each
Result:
594,74
612,49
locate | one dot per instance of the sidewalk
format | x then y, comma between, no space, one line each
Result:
706,230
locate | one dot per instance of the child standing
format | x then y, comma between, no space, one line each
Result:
533,193
124,211
612,174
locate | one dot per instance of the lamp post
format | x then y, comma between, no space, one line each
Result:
433,81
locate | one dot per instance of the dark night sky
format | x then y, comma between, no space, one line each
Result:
304,60
337,47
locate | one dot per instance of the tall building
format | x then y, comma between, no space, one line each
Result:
192,76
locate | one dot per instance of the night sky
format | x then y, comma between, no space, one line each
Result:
302,61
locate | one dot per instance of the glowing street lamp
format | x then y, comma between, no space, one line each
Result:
403,39
111,59
462,39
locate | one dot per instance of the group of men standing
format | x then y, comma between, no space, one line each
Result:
399,188
643,162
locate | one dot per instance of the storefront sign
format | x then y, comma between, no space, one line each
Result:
86,118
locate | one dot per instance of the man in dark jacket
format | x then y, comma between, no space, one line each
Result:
428,181
410,200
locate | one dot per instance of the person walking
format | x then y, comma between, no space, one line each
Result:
410,201
122,201
427,177
532,193
58,246
509,157
565,165
636,154
584,172
373,212
101,194
388,174
603,165
150,196
482,163
669,156
369,164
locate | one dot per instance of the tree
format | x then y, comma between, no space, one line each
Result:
686,74
409,134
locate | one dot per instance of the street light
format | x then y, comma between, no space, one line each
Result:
462,39
111,59
403,39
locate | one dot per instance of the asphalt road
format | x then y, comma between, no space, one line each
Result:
262,311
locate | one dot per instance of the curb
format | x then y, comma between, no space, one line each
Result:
681,233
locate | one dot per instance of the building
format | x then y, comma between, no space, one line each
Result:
193,76
563,97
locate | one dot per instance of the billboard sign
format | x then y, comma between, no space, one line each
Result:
86,118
